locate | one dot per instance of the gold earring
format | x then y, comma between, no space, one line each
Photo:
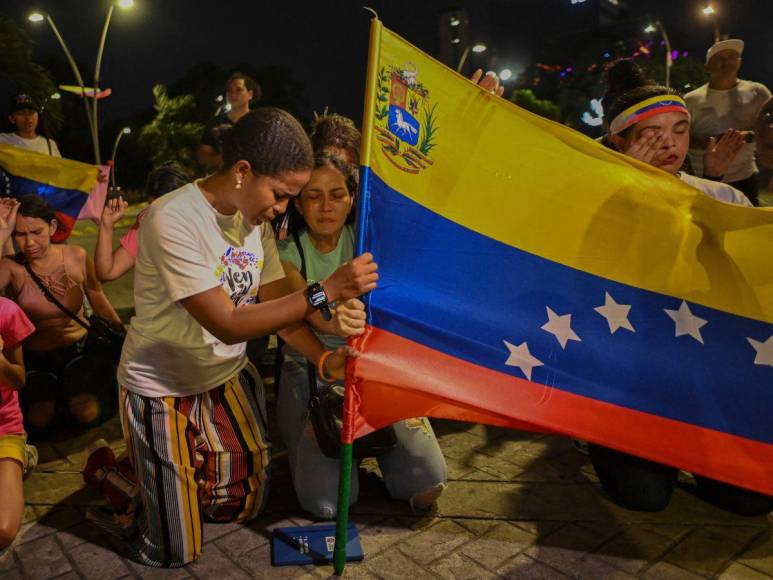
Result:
238,184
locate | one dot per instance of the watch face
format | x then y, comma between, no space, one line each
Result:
317,298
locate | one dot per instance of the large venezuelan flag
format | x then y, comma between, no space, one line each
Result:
64,183
532,278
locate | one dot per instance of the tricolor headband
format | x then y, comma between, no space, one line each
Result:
646,109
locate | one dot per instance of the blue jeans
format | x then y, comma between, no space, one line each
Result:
413,466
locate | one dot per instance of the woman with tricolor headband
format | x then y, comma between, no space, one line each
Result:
652,124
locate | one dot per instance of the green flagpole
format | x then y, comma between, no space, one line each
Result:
347,429
342,521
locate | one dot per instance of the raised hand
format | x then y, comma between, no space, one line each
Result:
113,211
647,147
349,318
9,207
720,154
352,279
488,82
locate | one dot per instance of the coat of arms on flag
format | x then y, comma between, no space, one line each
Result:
406,121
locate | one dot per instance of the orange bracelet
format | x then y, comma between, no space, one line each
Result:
321,367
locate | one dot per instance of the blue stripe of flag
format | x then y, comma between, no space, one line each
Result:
68,201
463,294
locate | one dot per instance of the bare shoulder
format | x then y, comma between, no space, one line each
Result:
75,260
73,252
8,264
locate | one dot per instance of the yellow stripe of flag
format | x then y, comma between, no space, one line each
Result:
550,191
54,171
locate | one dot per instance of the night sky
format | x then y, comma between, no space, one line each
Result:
324,43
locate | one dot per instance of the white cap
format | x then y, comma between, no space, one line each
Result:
730,44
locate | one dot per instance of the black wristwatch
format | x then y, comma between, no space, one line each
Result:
316,297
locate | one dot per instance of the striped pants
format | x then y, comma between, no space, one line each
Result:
199,458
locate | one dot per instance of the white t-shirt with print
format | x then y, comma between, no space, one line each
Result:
713,111
716,189
38,144
186,247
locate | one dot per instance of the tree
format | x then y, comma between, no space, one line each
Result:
687,73
526,99
204,81
171,135
29,77
173,128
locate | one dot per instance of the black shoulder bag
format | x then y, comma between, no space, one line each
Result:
104,339
326,411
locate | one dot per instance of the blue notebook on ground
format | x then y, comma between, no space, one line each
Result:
312,545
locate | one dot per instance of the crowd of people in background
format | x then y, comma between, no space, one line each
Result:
264,244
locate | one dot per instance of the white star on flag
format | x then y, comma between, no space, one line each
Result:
560,327
686,322
616,314
764,351
521,357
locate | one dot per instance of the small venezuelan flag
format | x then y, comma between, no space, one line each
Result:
531,278
65,184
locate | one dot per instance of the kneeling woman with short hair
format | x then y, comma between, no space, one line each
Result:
208,279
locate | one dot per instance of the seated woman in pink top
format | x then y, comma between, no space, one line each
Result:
63,384
16,457
112,264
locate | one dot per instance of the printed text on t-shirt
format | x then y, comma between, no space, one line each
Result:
238,272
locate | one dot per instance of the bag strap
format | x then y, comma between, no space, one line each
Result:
311,374
279,356
47,293
297,240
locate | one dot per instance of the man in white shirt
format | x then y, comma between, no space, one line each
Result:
24,115
726,102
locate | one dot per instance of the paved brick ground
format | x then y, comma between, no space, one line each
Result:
518,506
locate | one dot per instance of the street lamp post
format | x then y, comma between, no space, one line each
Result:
91,112
658,25
476,48
124,4
710,12
38,17
121,133
97,70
